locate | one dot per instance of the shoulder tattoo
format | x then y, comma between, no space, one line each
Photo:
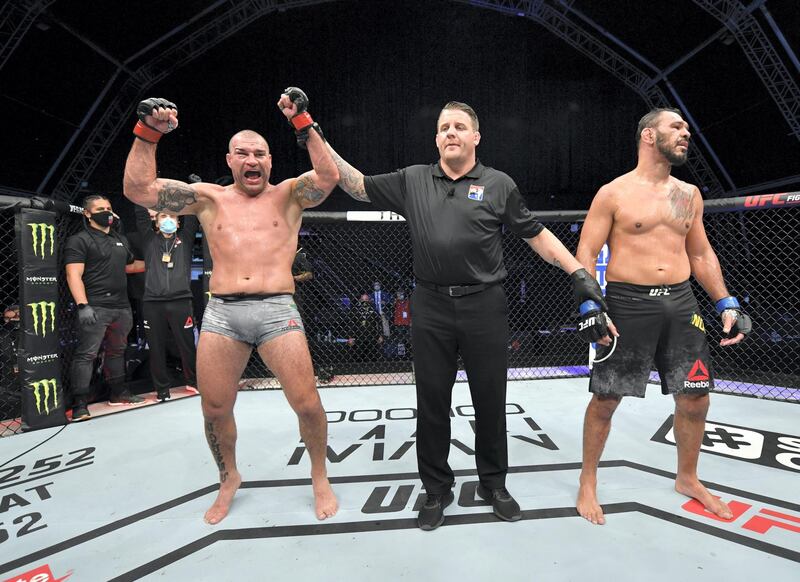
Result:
174,197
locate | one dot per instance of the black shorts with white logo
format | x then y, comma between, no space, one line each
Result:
658,325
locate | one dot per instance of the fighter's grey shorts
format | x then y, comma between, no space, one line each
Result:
252,319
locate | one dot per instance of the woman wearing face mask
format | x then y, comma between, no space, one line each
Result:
167,301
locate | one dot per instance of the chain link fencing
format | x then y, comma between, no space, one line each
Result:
360,335
67,224
355,339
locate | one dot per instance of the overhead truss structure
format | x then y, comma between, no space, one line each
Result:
15,20
761,53
227,17
554,17
233,17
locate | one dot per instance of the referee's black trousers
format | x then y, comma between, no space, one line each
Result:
477,327
162,318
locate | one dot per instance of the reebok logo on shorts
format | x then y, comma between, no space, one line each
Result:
189,323
698,376
697,321
292,323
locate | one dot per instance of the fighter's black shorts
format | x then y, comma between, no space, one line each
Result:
658,325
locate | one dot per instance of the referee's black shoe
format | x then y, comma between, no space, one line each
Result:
431,515
505,507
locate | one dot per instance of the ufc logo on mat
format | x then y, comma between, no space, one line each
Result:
778,450
760,523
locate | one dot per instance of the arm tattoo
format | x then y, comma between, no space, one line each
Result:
350,179
680,202
306,189
213,444
556,262
174,197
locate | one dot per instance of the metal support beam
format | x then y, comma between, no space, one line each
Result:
15,20
758,49
91,44
662,75
554,18
118,112
776,30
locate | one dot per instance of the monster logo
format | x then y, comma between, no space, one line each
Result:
41,233
39,311
42,392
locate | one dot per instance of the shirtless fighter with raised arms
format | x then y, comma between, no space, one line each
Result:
252,229
653,223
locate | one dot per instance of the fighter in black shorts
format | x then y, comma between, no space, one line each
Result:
660,325
653,224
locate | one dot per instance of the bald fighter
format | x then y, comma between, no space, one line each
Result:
653,223
252,228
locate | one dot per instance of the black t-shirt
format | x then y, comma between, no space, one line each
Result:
163,283
136,280
104,257
456,225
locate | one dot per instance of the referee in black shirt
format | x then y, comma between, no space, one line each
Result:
455,211
97,260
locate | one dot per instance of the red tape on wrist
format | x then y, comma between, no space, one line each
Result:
302,121
146,133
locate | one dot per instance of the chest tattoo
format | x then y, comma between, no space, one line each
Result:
680,201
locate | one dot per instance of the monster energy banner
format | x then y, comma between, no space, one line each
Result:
38,356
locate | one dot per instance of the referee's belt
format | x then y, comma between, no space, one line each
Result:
456,290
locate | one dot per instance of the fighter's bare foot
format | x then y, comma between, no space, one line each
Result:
324,498
691,487
588,506
227,489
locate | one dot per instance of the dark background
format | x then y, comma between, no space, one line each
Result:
377,74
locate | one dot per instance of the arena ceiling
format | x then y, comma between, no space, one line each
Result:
71,72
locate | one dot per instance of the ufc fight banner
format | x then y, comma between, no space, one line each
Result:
38,354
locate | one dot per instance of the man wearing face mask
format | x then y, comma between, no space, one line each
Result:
97,260
167,301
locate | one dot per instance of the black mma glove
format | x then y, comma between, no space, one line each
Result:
142,129
593,322
86,315
586,288
301,122
742,323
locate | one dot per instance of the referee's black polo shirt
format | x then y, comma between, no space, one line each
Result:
455,224
104,257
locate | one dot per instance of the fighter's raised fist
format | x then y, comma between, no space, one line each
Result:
293,102
158,114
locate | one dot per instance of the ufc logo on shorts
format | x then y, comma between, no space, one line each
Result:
658,292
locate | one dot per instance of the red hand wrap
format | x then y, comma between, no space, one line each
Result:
301,121
146,133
